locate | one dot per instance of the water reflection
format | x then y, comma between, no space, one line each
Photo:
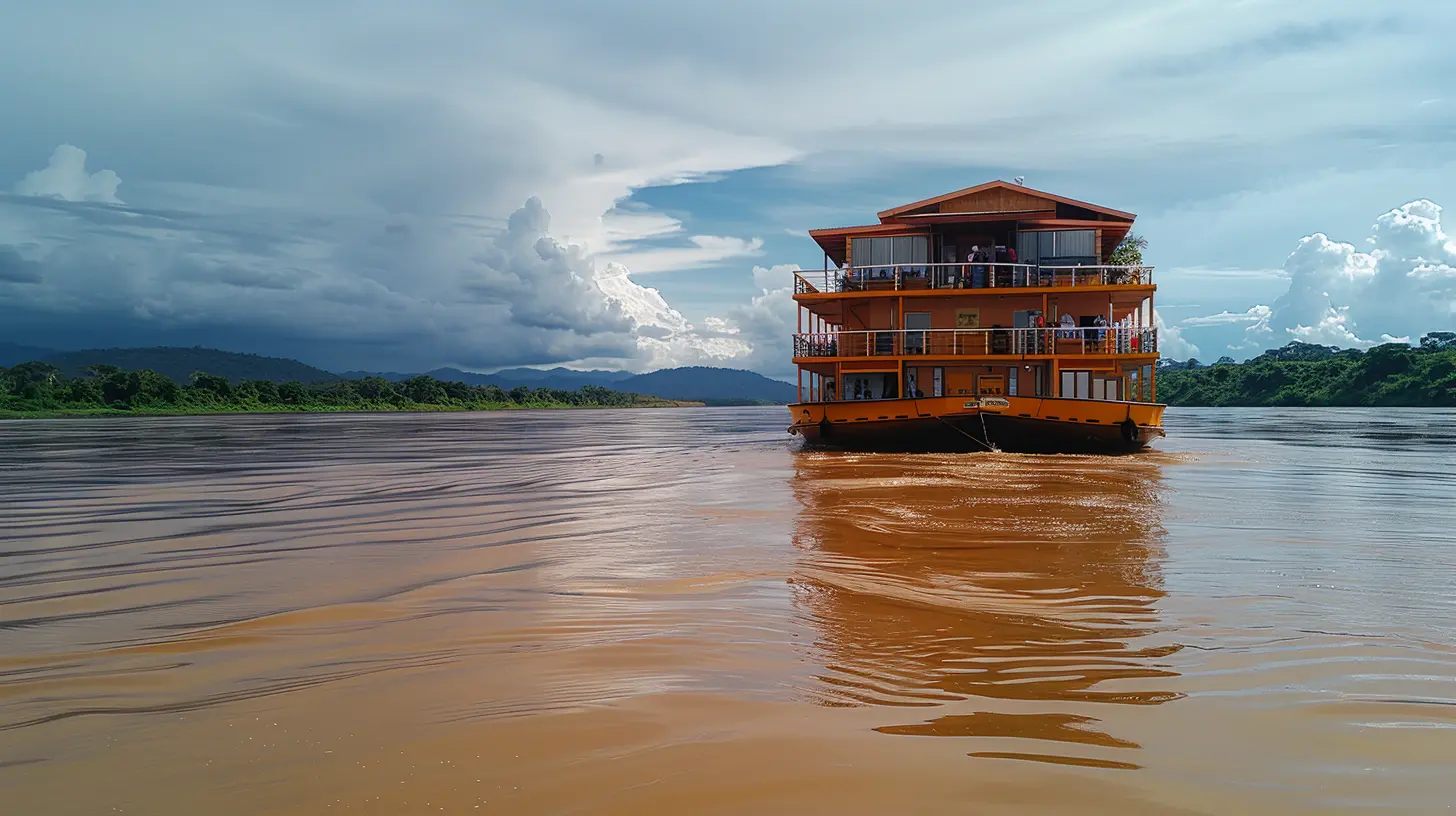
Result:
999,584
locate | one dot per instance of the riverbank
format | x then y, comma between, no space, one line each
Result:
65,413
39,391
1393,375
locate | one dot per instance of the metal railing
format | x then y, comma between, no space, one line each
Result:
900,277
977,342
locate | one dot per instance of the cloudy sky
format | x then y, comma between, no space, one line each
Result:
404,185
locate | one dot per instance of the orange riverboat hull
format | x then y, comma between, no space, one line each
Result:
969,424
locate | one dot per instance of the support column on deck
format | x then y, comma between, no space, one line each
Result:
1153,369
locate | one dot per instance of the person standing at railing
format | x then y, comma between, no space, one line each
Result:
978,271
1069,327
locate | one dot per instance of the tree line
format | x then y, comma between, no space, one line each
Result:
1389,375
40,388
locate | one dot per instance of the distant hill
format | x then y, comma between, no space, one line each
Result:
561,378
711,385
714,386
15,354
593,377
392,376
178,364
564,379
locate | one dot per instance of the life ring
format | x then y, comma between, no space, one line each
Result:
1129,431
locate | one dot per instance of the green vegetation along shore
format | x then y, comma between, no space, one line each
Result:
35,390
1389,375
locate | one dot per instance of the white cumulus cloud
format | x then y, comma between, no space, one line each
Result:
1171,344
1256,315
1402,286
664,337
65,177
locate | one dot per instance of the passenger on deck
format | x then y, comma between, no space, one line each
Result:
1069,327
978,272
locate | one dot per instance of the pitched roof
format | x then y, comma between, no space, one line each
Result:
991,185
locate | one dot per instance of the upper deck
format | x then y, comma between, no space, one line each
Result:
969,278
997,235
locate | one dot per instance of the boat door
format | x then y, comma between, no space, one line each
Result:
916,337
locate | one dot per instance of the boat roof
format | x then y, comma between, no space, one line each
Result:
912,207
992,201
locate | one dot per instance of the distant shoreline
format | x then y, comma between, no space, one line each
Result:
85,413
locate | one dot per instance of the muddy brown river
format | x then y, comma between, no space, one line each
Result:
676,611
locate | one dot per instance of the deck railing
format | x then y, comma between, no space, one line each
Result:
900,277
978,342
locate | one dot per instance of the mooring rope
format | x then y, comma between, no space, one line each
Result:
990,448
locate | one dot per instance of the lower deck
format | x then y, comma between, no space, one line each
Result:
1110,379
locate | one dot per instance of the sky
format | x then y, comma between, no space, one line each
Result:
406,185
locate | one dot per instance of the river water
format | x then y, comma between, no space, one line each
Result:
675,611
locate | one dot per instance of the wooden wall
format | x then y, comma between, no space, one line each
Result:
997,199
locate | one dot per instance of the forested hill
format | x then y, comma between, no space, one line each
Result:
1392,375
177,364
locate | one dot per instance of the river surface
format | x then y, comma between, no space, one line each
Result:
676,611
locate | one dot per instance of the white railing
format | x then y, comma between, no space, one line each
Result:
899,277
977,342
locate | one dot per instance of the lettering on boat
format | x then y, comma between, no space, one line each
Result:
995,402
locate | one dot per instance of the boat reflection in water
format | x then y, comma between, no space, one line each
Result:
1017,595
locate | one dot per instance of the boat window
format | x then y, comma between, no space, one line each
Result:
882,254
1076,384
1057,247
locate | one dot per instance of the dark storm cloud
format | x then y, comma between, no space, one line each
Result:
337,179
118,273
16,269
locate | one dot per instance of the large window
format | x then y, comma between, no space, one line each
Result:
899,250
1054,247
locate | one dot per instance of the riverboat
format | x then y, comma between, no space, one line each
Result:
990,318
